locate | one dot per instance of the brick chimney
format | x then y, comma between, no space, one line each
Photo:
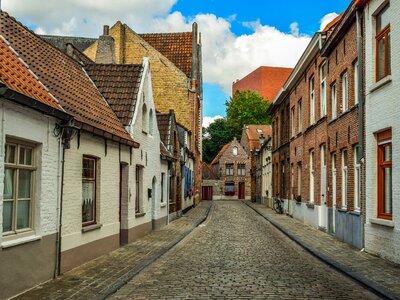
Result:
105,53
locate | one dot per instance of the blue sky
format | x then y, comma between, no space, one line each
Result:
237,36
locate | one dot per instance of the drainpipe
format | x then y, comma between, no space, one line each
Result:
360,107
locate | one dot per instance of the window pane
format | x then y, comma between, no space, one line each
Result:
388,153
10,154
381,58
24,184
382,19
88,168
389,68
387,205
8,184
23,214
25,156
7,215
88,199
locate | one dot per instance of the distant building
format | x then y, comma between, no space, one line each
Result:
267,81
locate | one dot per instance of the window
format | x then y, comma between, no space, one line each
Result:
345,92
293,122
229,188
235,151
18,184
357,175
299,117
241,169
88,190
356,83
138,198
383,64
162,186
312,163
323,90
292,189
151,125
229,169
299,179
144,118
344,179
334,101
385,199
312,101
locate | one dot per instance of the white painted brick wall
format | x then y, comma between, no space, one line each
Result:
26,124
382,111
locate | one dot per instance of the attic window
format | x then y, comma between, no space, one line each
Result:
235,151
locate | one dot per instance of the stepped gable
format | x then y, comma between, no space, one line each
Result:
177,47
66,80
119,84
16,75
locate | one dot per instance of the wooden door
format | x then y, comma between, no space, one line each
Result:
242,191
207,192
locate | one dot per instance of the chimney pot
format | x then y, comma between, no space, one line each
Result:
106,30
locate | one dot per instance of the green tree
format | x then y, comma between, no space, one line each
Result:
245,108
215,136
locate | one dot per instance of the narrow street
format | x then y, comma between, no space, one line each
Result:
236,254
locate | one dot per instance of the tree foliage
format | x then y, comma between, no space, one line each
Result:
244,108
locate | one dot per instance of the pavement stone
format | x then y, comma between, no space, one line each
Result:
379,275
101,277
237,254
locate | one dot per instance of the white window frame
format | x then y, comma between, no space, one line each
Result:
357,175
312,100
344,178
312,177
323,90
241,171
235,151
345,92
334,100
229,171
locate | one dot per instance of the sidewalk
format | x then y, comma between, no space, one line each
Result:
375,273
103,276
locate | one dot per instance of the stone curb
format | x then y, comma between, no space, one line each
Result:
136,270
370,285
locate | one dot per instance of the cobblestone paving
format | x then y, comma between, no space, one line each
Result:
374,269
102,276
237,254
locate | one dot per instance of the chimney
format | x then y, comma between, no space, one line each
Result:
105,53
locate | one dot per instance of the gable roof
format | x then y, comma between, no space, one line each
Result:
66,80
60,42
163,122
254,132
220,153
332,23
265,80
206,169
16,75
119,84
177,47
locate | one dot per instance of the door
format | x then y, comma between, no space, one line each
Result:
333,193
323,210
153,199
207,192
241,190
123,202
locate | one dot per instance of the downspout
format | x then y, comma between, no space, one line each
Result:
361,109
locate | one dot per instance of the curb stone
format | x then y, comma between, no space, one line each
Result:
370,285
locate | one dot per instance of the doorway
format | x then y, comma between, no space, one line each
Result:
323,207
153,201
241,190
333,192
123,203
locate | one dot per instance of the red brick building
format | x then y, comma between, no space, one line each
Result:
267,81
315,119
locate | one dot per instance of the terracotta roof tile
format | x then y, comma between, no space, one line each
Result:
16,75
163,122
119,84
253,133
332,23
164,152
177,47
65,78
206,168
218,156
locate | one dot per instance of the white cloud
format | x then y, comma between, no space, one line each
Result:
327,19
208,120
226,57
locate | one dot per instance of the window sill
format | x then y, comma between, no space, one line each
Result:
163,205
310,205
383,222
139,215
342,210
380,83
356,213
20,241
91,227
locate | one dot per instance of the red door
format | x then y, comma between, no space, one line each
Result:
207,192
241,190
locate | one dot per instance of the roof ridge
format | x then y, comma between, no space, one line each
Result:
178,32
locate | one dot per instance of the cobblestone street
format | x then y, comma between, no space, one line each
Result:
236,254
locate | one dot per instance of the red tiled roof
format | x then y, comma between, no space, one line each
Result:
218,156
66,80
253,133
177,47
16,75
163,121
119,84
165,153
332,23
265,80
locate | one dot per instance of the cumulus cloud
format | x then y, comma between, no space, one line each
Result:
208,120
226,56
327,19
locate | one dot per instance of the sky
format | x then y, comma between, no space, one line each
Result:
238,36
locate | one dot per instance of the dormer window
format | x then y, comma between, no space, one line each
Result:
235,151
